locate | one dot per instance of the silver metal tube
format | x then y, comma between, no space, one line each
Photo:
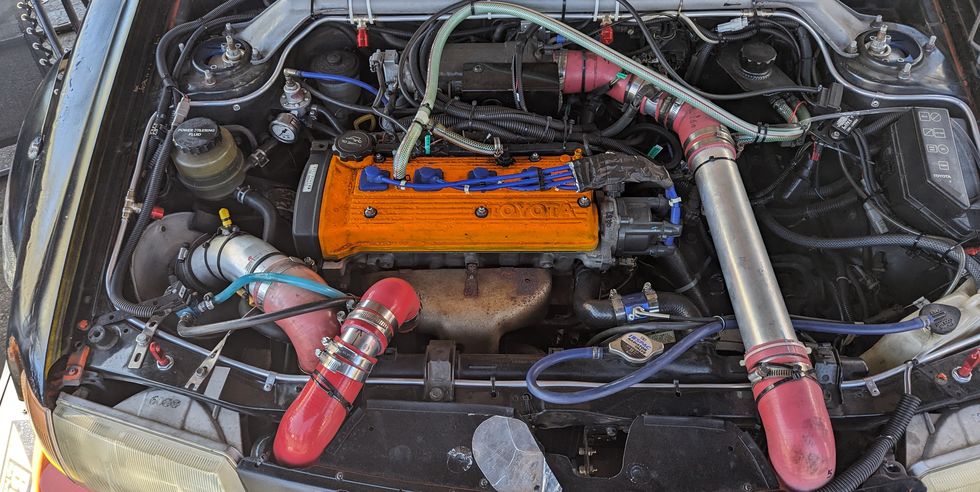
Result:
755,295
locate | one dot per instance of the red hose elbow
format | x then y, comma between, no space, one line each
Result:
314,418
306,330
584,71
798,430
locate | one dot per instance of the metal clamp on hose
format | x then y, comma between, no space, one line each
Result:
786,372
635,307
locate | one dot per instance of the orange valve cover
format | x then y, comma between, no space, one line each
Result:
395,220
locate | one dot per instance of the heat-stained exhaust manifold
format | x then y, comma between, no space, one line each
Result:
790,402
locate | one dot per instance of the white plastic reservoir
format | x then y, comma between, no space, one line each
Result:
893,350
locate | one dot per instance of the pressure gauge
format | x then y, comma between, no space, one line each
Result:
285,128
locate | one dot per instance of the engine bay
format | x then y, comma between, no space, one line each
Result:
603,245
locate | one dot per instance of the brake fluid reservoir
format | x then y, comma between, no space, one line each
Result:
207,159
893,350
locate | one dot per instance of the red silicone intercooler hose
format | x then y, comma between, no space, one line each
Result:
316,415
306,330
790,402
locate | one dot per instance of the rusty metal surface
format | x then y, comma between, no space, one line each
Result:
506,299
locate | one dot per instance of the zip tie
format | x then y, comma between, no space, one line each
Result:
466,189
674,201
401,184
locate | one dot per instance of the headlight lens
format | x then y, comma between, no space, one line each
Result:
106,449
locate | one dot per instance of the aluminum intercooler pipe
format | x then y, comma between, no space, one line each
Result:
231,254
790,402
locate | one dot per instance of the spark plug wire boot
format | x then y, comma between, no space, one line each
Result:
316,415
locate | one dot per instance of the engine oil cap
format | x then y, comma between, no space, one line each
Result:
354,145
636,347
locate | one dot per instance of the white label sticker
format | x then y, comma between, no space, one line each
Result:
310,178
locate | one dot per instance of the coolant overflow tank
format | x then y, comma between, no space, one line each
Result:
207,159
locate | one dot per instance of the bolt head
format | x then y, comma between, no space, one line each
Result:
370,212
436,394
875,103
534,157
481,212
584,201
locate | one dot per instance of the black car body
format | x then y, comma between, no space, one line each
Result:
76,152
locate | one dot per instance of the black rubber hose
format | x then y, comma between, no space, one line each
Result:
498,113
523,133
357,108
676,151
655,48
677,305
161,159
843,286
862,469
945,248
599,313
629,114
163,47
262,206
817,209
880,124
242,323
268,329
588,308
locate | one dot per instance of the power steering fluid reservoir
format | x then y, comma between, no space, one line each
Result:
207,159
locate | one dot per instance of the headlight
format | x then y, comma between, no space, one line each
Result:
106,449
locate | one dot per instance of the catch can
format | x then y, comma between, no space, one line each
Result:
208,161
